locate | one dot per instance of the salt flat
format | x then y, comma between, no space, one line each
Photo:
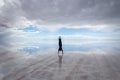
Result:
94,65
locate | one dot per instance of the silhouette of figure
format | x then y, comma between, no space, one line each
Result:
60,45
60,60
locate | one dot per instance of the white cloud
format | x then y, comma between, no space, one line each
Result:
54,14
1,3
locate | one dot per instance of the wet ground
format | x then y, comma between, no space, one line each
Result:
94,65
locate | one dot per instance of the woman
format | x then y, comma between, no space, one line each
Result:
60,45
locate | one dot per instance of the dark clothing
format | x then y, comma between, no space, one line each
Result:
60,44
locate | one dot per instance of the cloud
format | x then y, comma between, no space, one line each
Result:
54,14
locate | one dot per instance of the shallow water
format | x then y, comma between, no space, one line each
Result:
82,47
82,60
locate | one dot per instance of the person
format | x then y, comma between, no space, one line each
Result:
60,45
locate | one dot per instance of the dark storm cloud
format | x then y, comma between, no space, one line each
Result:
73,11
70,12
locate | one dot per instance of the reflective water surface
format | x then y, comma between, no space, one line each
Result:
84,47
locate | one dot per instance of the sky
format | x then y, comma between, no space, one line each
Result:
37,20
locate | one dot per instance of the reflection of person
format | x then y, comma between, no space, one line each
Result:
60,45
60,59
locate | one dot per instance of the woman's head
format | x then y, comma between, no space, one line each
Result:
59,37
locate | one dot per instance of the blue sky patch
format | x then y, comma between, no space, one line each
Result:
30,28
